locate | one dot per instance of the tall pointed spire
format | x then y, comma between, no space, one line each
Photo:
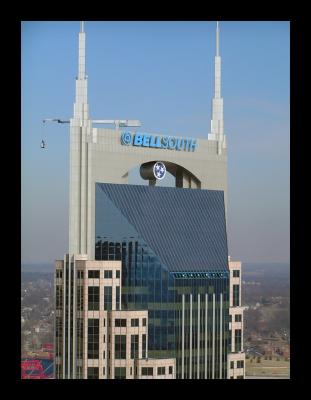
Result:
80,132
217,122
81,106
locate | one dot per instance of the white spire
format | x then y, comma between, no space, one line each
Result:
81,106
217,122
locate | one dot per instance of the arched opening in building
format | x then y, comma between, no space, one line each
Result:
176,176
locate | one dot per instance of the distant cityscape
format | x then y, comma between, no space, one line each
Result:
37,324
265,296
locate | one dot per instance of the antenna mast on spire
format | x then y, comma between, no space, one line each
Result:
217,39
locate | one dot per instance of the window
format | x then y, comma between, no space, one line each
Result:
135,322
104,354
104,371
161,370
108,274
59,273
147,371
119,322
231,377
236,295
120,347
237,337
117,297
107,297
59,297
144,346
170,370
93,274
93,298
59,327
144,321
134,346
131,371
79,374
236,273
120,373
240,377
79,274
93,338
240,364
232,364
80,298
117,273
92,373
238,317
80,337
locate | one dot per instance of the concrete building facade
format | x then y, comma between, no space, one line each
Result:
110,343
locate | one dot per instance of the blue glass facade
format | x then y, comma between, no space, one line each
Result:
157,271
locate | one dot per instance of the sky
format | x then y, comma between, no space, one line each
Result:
161,73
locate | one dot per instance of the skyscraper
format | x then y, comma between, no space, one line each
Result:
144,291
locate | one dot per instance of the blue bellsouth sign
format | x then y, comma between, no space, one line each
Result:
159,142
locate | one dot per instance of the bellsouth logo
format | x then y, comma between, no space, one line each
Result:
159,142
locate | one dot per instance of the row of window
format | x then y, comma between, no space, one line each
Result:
209,275
121,322
148,371
238,377
239,364
236,273
237,318
120,372
120,343
95,274
94,298
120,346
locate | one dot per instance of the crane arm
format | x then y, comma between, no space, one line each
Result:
60,121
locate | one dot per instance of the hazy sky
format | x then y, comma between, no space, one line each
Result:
163,74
